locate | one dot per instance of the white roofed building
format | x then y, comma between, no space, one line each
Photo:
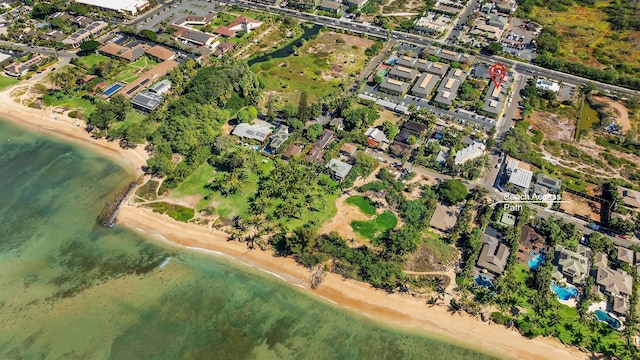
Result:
547,85
130,7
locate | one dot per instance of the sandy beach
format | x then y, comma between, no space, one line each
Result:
65,128
398,310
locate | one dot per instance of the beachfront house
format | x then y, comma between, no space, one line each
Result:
493,256
572,265
615,284
146,101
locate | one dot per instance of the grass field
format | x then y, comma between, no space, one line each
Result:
364,203
586,37
134,70
318,68
90,61
132,118
371,229
6,82
75,102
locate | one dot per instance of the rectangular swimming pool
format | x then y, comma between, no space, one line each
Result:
112,89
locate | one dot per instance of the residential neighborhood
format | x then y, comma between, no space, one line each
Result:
449,153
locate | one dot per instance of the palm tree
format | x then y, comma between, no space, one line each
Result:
455,307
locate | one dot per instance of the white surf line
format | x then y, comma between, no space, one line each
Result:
329,300
274,274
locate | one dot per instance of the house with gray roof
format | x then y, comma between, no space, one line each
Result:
626,255
279,137
259,130
146,101
403,73
493,256
494,98
473,151
339,169
424,86
630,198
447,90
569,264
431,67
330,6
406,61
614,282
161,87
376,136
545,185
393,86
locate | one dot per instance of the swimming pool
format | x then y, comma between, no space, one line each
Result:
535,261
112,89
610,320
564,292
483,281
392,60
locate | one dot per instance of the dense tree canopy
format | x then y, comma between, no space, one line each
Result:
451,191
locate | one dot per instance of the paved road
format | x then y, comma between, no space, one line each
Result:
462,20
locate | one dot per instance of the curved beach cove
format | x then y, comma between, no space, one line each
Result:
75,290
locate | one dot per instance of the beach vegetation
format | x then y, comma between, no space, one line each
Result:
148,190
178,212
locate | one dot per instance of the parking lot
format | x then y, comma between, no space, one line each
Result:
517,40
177,11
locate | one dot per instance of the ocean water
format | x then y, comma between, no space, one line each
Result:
72,290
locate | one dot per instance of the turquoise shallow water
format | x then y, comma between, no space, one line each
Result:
73,290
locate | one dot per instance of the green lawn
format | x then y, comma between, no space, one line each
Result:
225,206
239,203
318,215
70,101
7,81
90,61
194,183
222,19
364,203
132,118
371,229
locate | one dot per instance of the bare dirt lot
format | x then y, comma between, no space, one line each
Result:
341,222
614,109
580,206
553,126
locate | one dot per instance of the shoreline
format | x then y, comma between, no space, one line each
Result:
67,129
402,312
